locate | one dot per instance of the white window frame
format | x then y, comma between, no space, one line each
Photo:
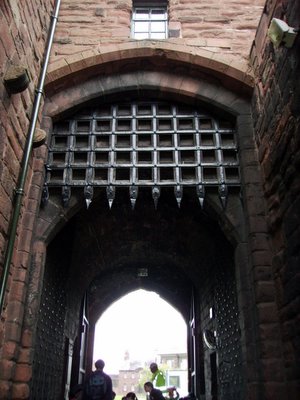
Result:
149,15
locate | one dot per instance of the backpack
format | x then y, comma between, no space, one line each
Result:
96,386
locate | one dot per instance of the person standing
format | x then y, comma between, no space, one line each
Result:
153,394
158,379
98,386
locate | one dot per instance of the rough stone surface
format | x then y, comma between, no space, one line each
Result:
216,35
212,25
277,132
23,32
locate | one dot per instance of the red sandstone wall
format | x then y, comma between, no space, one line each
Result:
22,36
226,26
276,107
23,30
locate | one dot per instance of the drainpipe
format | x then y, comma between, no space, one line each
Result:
19,192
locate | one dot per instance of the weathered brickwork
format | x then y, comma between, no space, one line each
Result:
205,59
228,26
23,31
276,113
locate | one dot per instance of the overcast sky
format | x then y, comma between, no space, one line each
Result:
125,327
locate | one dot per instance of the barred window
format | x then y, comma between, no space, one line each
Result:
149,20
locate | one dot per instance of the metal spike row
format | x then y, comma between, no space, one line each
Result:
178,191
155,195
200,190
223,194
45,196
133,193
88,195
110,194
66,195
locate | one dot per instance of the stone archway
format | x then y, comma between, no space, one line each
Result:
151,56
238,221
171,251
102,251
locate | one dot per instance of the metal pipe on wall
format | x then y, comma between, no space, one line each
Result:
19,192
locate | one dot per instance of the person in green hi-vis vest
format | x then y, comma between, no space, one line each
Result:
158,379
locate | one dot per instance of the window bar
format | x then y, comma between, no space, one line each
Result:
166,25
223,190
178,191
155,158
67,174
200,190
149,24
155,189
93,144
111,190
88,189
133,189
45,192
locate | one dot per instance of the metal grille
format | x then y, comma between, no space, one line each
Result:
48,359
221,331
230,373
142,144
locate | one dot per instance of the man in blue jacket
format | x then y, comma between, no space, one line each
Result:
98,386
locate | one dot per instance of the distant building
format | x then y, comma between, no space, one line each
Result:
128,381
176,372
174,360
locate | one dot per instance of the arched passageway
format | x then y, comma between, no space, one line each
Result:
136,330
196,256
180,253
51,297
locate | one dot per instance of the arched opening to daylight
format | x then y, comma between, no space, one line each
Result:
136,330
